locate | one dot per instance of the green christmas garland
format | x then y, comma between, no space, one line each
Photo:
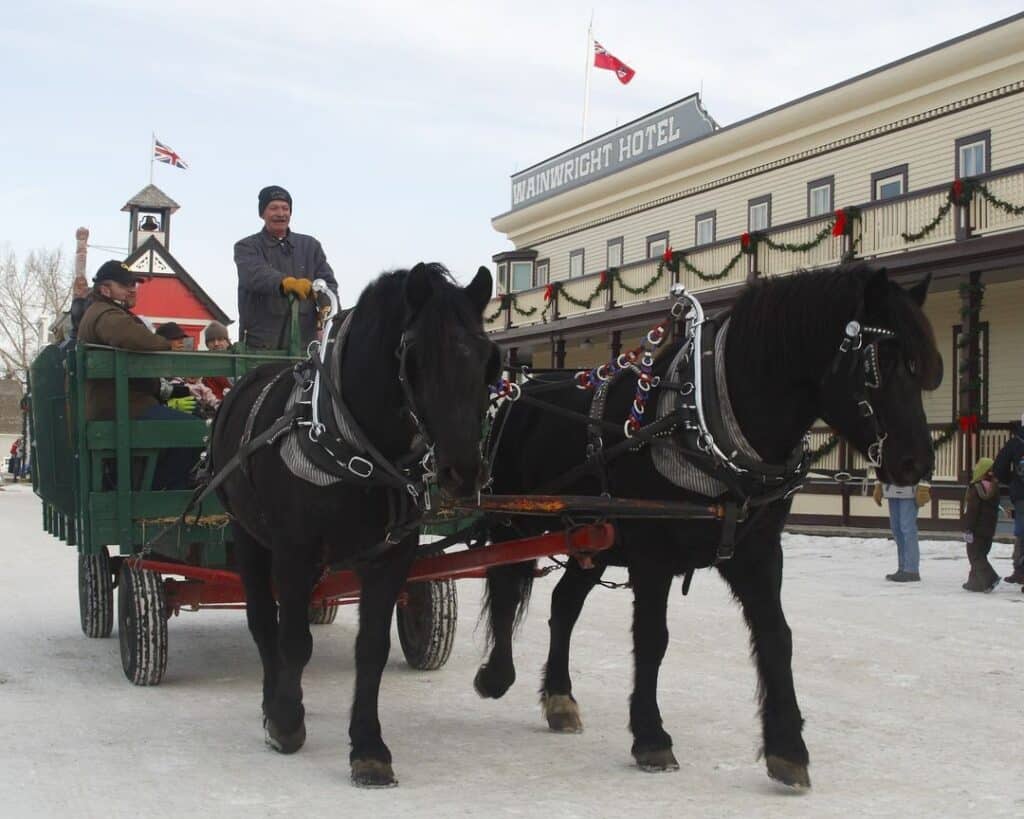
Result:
504,301
934,223
822,235
819,453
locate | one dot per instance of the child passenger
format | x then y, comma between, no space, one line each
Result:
981,511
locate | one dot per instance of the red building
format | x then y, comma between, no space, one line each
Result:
170,294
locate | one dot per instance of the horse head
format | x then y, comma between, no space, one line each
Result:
448,364
872,391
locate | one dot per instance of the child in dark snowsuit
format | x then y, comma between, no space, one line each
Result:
981,512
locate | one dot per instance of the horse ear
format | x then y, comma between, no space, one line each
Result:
418,287
479,290
920,290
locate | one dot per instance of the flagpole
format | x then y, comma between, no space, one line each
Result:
152,152
586,83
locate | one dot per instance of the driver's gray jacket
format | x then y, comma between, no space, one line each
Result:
263,261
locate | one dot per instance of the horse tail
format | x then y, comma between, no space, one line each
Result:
506,600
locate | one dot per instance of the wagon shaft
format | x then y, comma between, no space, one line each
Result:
217,587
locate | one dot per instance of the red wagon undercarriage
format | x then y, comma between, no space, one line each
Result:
218,588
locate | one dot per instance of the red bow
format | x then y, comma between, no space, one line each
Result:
604,278
549,292
968,423
957,191
667,255
745,241
839,228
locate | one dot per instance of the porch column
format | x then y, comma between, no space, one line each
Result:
969,360
616,343
558,355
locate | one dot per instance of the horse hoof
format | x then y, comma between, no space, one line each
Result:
659,761
372,773
562,713
791,774
488,687
284,743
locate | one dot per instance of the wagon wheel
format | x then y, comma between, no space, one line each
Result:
426,624
323,615
96,594
142,625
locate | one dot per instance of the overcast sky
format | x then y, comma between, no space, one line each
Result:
394,127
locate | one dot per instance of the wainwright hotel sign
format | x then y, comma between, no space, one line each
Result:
643,139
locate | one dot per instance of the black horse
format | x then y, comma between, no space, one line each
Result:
415,365
784,369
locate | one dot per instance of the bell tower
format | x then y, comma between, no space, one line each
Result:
149,214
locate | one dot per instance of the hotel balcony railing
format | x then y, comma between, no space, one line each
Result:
955,454
877,229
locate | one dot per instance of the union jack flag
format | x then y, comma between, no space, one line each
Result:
165,154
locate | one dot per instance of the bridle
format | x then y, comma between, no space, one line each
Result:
376,468
860,347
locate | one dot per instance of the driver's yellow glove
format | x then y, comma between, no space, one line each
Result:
301,288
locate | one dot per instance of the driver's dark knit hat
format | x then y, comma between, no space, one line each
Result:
272,192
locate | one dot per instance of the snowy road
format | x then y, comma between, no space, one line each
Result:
912,698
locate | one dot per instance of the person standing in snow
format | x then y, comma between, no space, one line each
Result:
1009,469
903,504
980,515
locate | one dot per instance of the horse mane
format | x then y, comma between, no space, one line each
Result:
821,302
384,308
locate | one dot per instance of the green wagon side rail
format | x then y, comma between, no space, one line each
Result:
95,477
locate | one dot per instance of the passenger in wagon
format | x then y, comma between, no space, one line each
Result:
110,322
272,265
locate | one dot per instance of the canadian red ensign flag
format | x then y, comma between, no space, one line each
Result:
602,59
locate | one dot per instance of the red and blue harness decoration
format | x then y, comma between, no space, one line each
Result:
641,361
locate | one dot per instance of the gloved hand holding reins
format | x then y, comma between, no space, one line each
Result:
301,288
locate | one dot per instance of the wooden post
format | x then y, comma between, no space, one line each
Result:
559,356
616,343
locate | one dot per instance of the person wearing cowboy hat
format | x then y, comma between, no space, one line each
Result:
272,265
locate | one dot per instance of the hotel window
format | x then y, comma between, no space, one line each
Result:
889,183
522,276
543,266
704,228
614,258
759,213
973,154
819,196
657,244
576,263
502,278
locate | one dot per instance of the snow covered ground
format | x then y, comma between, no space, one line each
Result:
912,697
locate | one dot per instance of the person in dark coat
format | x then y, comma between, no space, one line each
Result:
981,513
273,264
1009,469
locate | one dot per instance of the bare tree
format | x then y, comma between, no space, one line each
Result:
31,296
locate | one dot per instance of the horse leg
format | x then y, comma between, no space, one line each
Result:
758,587
652,746
508,591
557,701
295,570
370,758
254,566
